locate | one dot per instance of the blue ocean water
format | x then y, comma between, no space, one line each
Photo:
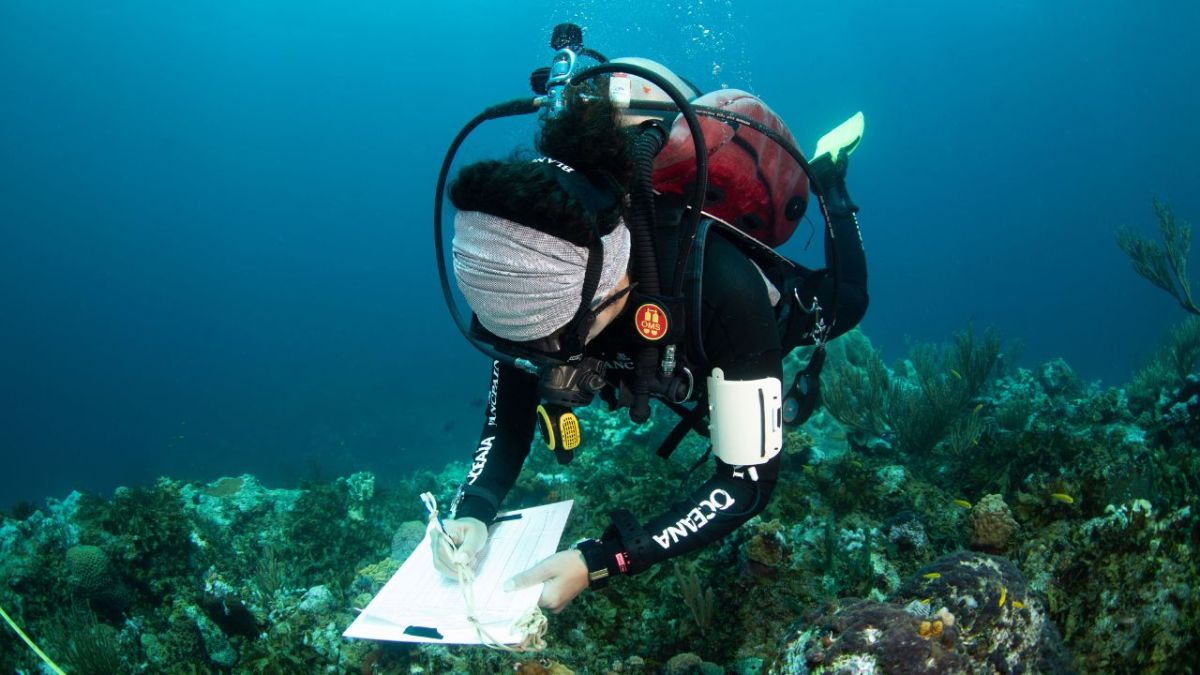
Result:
215,250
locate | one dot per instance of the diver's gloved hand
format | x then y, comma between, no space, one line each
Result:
831,176
830,161
469,535
565,575
828,171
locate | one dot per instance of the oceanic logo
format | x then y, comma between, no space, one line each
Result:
491,416
481,455
695,519
651,321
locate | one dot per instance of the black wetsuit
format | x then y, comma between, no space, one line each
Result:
740,336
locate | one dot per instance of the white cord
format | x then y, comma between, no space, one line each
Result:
531,625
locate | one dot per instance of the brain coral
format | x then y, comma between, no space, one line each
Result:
87,568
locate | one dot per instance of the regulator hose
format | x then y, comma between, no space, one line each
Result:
645,148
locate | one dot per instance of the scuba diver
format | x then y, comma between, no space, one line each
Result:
631,258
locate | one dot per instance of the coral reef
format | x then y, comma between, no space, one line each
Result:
962,516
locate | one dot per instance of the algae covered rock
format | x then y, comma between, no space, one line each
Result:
360,488
318,600
216,644
766,548
1122,586
865,636
1059,379
688,663
406,539
985,621
992,524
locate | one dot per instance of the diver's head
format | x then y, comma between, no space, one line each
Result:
525,285
539,243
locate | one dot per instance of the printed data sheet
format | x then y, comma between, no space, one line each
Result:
418,604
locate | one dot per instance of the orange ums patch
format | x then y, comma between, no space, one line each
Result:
651,321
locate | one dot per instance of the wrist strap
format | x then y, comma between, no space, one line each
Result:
597,561
634,539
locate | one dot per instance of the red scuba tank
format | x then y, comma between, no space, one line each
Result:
753,184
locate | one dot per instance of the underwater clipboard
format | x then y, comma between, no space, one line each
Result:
419,604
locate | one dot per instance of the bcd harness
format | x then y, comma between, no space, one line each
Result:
667,273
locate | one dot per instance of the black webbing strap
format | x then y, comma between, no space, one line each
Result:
593,197
633,537
801,400
689,420
591,278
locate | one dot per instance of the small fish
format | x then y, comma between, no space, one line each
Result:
1003,595
957,375
926,601
808,468
977,409
1062,497
856,464
932,575
963,503
1017,604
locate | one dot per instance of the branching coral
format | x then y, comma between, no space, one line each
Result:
857,396
1177,358
701,601
946,379
1164,266
89,646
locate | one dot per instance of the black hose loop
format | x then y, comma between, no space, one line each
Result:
520,106
691,219
645,148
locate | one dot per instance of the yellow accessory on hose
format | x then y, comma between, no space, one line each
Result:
560,431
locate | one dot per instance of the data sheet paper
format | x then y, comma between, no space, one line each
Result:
418,604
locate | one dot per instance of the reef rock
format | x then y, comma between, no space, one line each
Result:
964,613
991,524
406,539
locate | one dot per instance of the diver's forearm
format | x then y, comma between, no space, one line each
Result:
503,444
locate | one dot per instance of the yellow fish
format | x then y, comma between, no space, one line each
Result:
926,601
963,503
1062,497
1003,595
956,374
1017,604
932,575
977,409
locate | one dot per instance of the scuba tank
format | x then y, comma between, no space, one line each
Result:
664,319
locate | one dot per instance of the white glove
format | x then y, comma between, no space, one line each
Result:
565,575
469,536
